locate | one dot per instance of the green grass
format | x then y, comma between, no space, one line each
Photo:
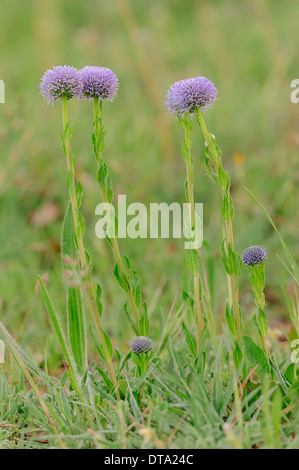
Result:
250,51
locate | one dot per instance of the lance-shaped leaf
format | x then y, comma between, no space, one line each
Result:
75,306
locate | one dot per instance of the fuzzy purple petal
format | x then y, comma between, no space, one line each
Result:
253,255
189,94
61,82
98,82
141,344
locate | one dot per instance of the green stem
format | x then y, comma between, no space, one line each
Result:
72,189
209,310
257,281
98,113
89,290
233,279
234,282
190,192
261,305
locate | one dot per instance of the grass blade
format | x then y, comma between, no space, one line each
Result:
292,268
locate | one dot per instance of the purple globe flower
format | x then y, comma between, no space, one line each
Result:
61,82
141,344
253,255
190,94
98,82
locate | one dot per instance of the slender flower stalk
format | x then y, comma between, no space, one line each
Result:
253,257
208,303
62,84
100,83
230,259
183,99
79,231
100,132
186,123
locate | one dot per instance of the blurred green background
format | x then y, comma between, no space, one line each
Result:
249,49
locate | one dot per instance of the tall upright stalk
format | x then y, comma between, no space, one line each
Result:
107,196
216,172
192,254
183,99
253,257
79,232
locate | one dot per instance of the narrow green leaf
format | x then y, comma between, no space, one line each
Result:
217,381
187,299
79,194
190,340
231,322
75,307
290,373
107,381
55,321
262,323
276,417
256,356
80,229
237,355
134,405
68,247
76,327
98,300
108,344
192,261
121,279
144,324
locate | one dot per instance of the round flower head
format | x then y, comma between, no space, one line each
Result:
61,82
190,94
253,255
98,82
141,344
